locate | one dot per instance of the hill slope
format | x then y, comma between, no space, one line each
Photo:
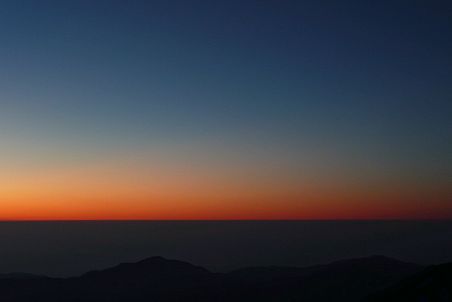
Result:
431,285
157,279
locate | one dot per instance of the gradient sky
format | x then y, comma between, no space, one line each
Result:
225,109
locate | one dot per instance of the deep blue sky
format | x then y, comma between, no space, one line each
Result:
366,84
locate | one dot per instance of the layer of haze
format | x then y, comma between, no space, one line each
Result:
71,248
225,110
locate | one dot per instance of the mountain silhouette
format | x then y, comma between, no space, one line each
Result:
154,269
346,280
159,279
430,285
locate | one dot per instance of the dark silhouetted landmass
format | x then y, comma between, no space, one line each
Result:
159,279
432,284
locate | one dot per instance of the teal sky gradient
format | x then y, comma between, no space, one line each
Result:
348,92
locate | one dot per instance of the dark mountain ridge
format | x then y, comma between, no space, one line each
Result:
159,279
432,284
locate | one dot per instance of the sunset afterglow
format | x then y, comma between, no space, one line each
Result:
231,111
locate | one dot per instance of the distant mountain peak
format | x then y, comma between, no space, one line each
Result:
150,267
160,279
157,260
380,257
374,259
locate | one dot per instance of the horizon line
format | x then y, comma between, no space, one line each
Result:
225,220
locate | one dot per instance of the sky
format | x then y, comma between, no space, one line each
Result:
225,110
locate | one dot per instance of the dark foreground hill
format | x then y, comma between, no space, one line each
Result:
434,284
157,279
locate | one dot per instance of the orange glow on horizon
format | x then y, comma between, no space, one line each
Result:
314,206
133,191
